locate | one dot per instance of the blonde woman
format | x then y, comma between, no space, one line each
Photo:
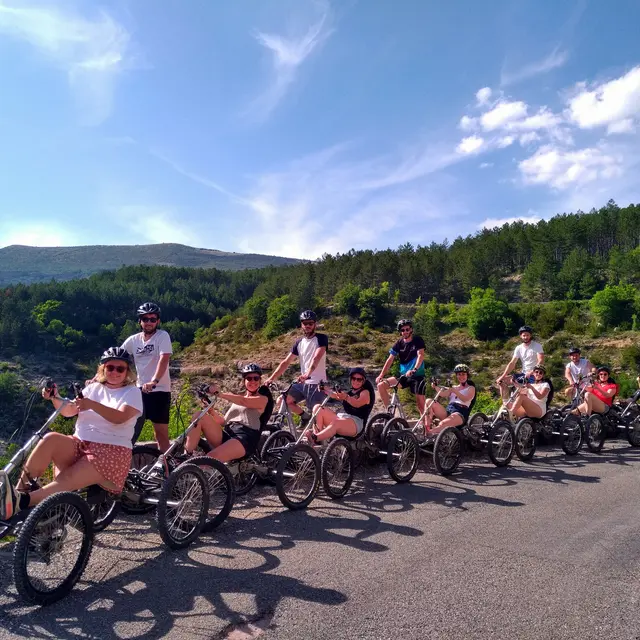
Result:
99,452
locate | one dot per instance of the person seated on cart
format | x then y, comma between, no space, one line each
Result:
599,395
99,451
534,397
237,433
461,398
577,369
356,407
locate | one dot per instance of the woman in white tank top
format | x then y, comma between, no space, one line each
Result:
532,401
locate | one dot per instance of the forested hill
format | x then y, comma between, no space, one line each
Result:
39,264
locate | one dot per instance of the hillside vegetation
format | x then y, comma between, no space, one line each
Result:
574,278
40,264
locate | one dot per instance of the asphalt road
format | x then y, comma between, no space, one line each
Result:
549,549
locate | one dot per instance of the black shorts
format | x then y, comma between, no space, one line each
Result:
156,406
247,436
454,407
415,383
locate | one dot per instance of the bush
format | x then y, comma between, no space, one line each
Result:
9,388
255,309
282,315
627,385
426,321
615,305
371,303
487,314
346,300
486,403
630,357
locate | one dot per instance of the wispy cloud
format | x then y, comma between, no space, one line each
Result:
492,223
92,52
37,234
557,58
288,53
153,224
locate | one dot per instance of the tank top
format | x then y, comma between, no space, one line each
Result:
455,398
243,415
539,387
363,411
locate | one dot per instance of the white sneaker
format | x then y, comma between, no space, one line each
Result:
8,497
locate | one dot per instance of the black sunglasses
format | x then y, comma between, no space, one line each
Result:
148,319
252,378
112,367
357,378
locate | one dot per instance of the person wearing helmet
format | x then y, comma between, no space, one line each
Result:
99,451
577,369
529,353
409,350
534,397
151,349
461,399
311,348
235,434
599,395
356,407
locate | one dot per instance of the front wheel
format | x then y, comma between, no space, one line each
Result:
104,507
298,476
375,427
337,468
525,435
52,548
183,506
571,434
222,491
501,444
393,426
595,432
475,430
403,456
447,450
633,433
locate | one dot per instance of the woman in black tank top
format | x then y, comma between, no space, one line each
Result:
356,403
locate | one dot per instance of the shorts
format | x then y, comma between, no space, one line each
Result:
359,423
247,436
156,406
111,461
454,407
520,378
310,393
415,383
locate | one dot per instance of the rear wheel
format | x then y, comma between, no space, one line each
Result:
475,430
183,506
246,476
501,445
221,490
273,449
394,425
298,476
595,433
525,435
52,548
104,507
447,450
337,468
375,427
143,457
571,435
403,456
633,433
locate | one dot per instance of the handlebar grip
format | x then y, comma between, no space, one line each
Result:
77,390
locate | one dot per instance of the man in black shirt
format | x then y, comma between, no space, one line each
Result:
410,352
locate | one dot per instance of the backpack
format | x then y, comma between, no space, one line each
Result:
268,410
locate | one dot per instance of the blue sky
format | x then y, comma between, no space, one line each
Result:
298,127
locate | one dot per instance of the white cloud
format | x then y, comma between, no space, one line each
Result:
555,59
468,124
614,104
486,165
492,223
92,52
528,138
472,144
35,235
483,95
504,142
288,54
502,114
152,224
561,169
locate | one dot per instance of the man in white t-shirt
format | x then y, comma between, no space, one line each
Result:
529,353
576,369
311,348
151,350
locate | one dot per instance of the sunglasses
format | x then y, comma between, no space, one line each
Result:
112,367
406,330
309,323
252,378
148,319
357,379
603,373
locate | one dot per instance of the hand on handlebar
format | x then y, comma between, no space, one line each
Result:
49,393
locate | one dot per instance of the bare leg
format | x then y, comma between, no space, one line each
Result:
54,447
453,420
383,390
341,426
525,407
212,432
162,436
293,407
436,411
232,449
428,418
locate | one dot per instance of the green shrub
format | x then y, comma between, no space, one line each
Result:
255,309
487,314
615,305
630,357
486,403
347,299
282,315
426,321
627,385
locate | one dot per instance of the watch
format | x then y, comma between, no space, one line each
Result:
155,381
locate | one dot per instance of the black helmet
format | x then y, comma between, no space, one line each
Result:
461,368
251,367
357,371
525,327
573,350
115,353
604,368
148,307
540,367
308,315
404,323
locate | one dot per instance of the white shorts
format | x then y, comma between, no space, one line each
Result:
358,421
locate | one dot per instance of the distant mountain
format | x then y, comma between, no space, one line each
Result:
19,263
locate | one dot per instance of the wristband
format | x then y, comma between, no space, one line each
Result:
155,381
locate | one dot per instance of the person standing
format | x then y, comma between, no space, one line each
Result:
151,349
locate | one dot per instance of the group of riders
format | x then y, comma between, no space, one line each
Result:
132,385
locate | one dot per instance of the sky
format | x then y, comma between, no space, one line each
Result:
305,127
